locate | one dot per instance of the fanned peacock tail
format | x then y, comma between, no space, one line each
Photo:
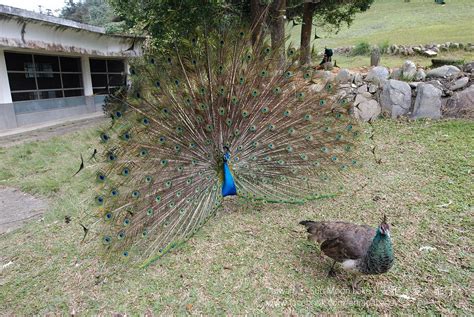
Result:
212,118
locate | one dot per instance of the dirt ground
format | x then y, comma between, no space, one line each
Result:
17,207
49,132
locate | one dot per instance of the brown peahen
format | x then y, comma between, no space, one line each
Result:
213,117
360,248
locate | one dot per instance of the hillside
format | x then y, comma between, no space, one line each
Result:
399,22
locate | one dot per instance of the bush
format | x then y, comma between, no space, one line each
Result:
384,47
362,48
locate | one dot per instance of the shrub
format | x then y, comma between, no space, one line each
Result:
362,48
384,47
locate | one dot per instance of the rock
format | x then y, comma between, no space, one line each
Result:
344,76
427,102
414,84
420,75
396,97
443,71
468,68
417,49
326,75
358,80
373,88
408,70
460,83
460,105
328,66
430,53
396,73
362,89
377,74
410,51
367,110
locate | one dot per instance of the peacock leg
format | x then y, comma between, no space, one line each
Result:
355,283
332,272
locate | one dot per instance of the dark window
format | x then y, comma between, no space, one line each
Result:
43,76
108,75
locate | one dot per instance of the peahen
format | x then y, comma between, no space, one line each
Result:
213,117
360,248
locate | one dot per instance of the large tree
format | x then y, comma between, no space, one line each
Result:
332,14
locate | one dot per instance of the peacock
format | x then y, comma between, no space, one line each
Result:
214,117
360,248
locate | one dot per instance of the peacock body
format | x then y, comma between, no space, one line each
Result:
214,117
359,248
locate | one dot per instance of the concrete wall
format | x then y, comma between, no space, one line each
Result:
28,32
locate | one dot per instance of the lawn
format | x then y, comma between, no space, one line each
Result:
255,259
399,22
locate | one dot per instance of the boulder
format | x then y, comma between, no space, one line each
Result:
396,97
468,68
396,74
373,88
420,75
362,89
443,71
377,74
366,110
344,76
430,53
414,84
358,80
460,83
408,70
460,105
427,102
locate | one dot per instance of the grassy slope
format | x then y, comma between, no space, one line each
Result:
399,22
256,259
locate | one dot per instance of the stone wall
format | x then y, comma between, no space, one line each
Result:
429,50
408,91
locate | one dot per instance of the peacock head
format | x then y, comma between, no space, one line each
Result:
384,228
226,153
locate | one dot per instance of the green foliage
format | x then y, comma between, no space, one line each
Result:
168,20
93,12
361,48
330,14
383,46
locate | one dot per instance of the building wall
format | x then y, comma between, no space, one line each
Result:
26,34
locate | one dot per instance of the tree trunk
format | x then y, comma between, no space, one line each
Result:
277,28
256,11
305,46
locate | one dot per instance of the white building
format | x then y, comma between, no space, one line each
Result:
52,68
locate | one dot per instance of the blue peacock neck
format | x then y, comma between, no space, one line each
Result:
228,185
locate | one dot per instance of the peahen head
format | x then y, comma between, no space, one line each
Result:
384,228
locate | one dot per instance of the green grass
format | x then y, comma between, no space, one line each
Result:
399,22
256,259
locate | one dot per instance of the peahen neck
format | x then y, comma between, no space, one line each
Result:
379,258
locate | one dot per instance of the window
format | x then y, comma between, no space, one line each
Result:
107,75
43,76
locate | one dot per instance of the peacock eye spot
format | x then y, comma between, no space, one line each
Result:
118,114
125,254
145,121
104,137
158,84
152,61
108,215
107,239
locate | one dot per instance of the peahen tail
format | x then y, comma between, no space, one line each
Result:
214,117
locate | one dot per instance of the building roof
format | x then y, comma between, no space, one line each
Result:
8,11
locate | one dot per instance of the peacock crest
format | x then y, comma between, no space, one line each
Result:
215,116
